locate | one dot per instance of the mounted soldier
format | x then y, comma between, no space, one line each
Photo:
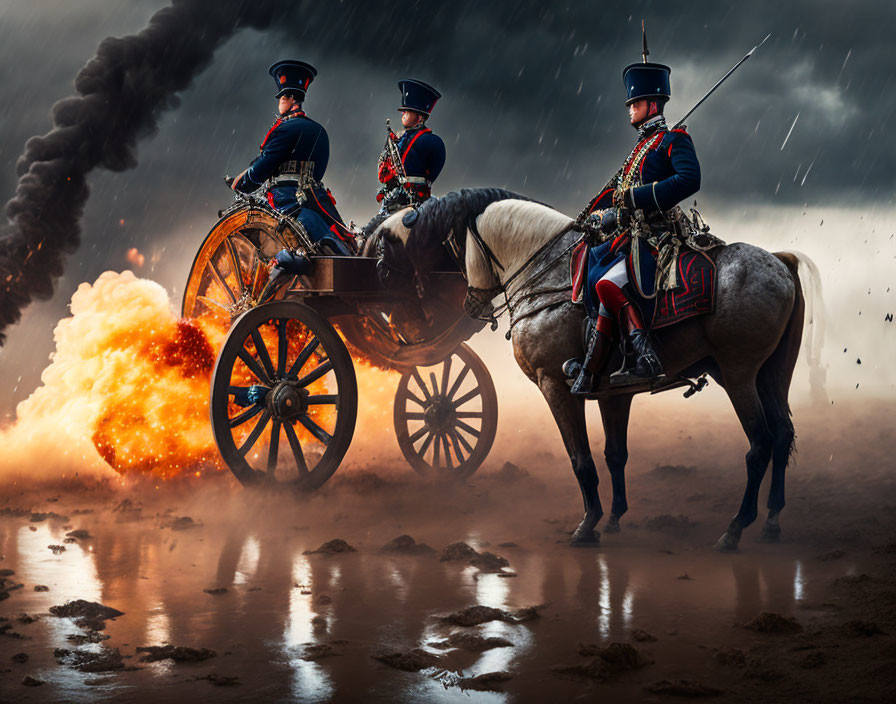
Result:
292,162
636,212
410,164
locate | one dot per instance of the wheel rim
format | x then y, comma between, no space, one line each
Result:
446,415
232,265
284,397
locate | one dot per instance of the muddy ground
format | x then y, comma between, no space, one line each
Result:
228,580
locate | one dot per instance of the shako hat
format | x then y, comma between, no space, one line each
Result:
292,76
417,96
645,80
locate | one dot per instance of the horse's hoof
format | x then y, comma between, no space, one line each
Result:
585,539
770,535
727,543
612,525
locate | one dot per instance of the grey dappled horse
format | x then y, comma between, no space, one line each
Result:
749,345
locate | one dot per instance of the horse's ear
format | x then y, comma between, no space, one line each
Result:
410,219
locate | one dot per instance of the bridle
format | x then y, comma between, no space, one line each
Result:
478,300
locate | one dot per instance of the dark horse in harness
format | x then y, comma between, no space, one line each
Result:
507,244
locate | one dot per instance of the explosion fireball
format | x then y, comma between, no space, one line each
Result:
127,388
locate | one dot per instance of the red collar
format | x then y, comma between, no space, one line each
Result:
279,121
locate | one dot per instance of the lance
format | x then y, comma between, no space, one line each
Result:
719,82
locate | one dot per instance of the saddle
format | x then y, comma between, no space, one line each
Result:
694,295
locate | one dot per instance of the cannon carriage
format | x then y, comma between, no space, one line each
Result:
284,394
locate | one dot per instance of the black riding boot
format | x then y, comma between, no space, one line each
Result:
647,364
586,370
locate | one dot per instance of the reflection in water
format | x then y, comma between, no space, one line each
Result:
798,581
603,601
310,682
158,579
248,562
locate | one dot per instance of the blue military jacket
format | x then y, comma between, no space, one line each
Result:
296,137
426,155
293,138
661,171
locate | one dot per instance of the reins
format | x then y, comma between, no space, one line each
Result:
512,301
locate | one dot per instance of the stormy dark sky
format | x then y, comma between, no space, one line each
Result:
533,101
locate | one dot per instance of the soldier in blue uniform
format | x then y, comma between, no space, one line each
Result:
293,160
420,151
661,171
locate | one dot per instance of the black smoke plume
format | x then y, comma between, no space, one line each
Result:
121,93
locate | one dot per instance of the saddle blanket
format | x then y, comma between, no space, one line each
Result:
694,296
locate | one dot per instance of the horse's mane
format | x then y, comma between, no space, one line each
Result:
455,211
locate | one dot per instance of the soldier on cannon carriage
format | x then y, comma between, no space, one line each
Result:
292,162
410,163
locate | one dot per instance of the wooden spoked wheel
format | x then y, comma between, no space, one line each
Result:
446,415
232,265
284,397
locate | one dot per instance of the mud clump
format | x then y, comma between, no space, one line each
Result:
220,680
852,580
332,547
472,642
406,545
667,523
486,682
642,636
20,658
181,523
608,661
177,653
770,622
30,681
475,615
859,629
41,588
128,511
56,549
457,551
87,614
683,688
103,660
79,534
216,591
510,472
489,562
409,661
89,637
49,515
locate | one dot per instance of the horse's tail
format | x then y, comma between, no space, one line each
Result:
776,373
800,263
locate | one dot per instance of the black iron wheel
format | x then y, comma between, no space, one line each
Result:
446,415
284,397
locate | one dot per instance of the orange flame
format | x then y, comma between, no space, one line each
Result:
128,388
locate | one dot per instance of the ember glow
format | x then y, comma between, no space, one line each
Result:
128,389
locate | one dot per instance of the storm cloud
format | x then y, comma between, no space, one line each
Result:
533,101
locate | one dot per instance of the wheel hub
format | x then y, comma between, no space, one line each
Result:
286,400
439,414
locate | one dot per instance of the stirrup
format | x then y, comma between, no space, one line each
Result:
571,368
634,375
